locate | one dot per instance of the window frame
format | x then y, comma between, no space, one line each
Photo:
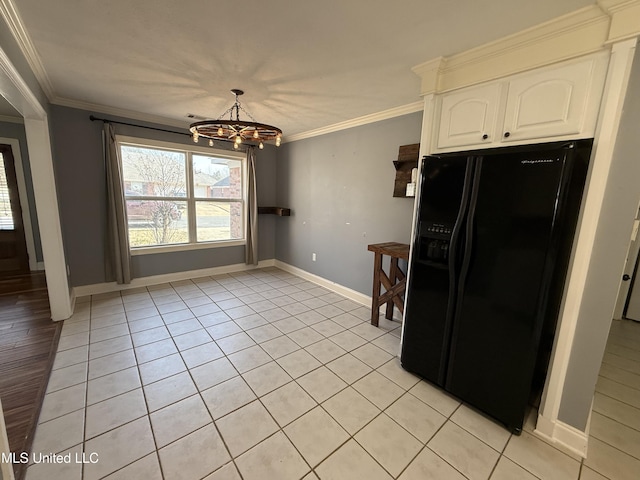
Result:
190,199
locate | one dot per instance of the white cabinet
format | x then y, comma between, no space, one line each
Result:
469,116
551,103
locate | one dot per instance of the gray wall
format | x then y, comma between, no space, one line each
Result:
80,177
607,263
339,187
16,130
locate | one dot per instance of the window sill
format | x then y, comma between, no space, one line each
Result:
182,247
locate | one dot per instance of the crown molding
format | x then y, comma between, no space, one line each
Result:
615,5
17,92
569,36
11,16
157,119
356,122
430,72
10,119
120,112
625,18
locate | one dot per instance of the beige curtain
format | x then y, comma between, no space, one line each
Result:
251,248
117,255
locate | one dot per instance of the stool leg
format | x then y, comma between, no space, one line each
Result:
375,296
393,276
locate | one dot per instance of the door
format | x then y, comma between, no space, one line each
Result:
626,296
548,103
468,117
432,281
499,311
13,247
632,311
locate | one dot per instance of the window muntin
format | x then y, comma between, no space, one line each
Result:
178,196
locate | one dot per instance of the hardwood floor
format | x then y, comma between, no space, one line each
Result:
28,341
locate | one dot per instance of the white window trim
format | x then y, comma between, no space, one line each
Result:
181,247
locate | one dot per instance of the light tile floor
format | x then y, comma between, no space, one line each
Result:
614,441
263,375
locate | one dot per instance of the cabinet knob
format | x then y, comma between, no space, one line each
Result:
626,277
507,134
485,136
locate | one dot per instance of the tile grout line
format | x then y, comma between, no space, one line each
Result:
86,390
199,393
426,444
260,397
138,364
146,404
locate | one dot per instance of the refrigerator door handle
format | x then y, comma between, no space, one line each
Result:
455,243
466,261
455,234
469,234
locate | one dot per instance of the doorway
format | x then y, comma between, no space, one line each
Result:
13,247
36,123
628,302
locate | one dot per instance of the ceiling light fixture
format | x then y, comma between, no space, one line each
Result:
234,129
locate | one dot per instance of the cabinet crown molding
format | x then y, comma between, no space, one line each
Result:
587,30
430,72
615,5
625,18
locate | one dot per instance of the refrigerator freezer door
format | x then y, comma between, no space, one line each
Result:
500,305
427,322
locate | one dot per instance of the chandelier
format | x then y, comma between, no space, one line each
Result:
234,129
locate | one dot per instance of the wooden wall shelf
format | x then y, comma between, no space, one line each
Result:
407,161
279,211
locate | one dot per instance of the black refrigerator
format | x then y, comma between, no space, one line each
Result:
490,254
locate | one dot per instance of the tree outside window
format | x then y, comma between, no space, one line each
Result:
180,196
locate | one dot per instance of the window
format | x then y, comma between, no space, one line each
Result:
6,215
177,195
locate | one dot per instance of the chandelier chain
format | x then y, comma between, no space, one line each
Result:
236,107
236,130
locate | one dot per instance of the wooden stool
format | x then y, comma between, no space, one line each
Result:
394,283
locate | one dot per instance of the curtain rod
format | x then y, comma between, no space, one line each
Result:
104,120
93,119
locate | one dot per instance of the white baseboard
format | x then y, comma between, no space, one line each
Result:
98,288
562,435
36,266
351,294
361,298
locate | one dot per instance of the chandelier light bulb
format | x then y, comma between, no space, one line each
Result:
234,129
236,145
261,145
210,143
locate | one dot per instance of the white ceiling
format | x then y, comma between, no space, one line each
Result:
303,64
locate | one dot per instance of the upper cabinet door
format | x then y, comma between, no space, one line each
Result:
550,103
468,117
